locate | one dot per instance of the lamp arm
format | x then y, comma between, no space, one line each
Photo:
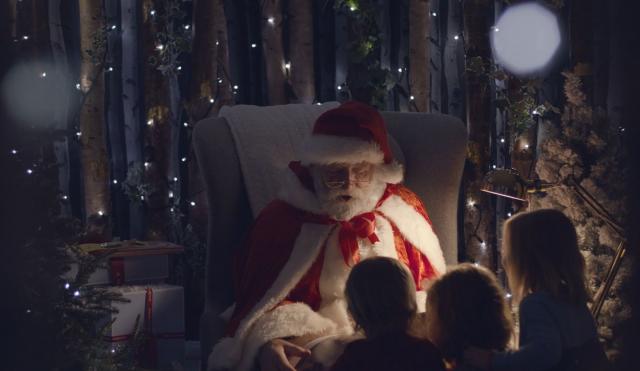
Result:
596,207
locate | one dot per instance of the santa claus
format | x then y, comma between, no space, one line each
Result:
341,203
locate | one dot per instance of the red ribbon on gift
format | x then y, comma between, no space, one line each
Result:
148,352
116,271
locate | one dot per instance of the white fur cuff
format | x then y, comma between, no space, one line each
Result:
295,319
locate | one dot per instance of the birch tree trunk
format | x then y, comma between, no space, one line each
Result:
94,158
301,70
479,221
61,114
211,79
419,67
132,103
158,123
273,51
12,24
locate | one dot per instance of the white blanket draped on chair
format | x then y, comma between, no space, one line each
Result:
266,139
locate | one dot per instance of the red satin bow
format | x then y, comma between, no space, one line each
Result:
360,226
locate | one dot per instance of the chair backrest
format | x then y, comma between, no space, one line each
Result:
434,150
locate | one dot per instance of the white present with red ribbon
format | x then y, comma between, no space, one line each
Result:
129,262
160,309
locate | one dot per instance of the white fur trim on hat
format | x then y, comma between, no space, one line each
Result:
328,149
392,173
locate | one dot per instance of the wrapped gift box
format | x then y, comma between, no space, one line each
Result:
130,262
160,309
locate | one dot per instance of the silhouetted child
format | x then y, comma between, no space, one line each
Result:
545,270
381,298
466,307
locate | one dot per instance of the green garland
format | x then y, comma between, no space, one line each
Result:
367,80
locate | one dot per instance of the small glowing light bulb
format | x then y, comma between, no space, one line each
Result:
526,146
170,194
254,45
501,140
179,68
494,166
146,164
184,159
400,69
471,203
29,171
100,212
14,151
271,20
110,69
193,203
150,122
159,46
65,197
113,27
235,87
353,8
456,37
115,181
186,124
44,74
187,26
78,134
339,87
287,65
509,215
175,178
152,12
25,37
508,295
319,104
434,14
211,100
66,286
412,98
76,293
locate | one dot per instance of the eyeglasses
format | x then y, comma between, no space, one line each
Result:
337,176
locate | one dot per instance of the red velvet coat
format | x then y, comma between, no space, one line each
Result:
290,272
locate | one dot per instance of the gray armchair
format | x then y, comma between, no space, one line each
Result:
432,148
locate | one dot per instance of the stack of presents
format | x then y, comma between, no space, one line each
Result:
138,270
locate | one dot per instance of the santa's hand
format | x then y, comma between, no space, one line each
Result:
275,355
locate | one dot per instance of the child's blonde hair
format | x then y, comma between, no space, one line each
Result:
540,253
381,296
466,307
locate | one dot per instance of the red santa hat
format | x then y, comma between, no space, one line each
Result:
351,133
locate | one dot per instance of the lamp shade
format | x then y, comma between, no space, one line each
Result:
505,183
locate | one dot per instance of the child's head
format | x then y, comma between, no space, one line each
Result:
540,253
381,296
466,307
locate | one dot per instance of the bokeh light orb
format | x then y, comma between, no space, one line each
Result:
34,93
526,38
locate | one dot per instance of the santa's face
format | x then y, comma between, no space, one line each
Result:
346,190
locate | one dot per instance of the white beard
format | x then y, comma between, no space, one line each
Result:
362,199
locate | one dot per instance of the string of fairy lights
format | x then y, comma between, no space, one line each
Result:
287,66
